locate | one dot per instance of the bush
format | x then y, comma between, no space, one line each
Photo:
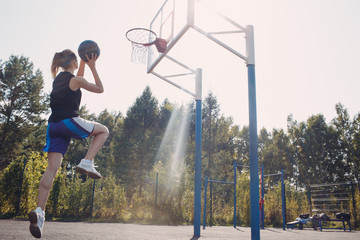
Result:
21,177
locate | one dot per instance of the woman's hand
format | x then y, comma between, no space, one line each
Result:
91,61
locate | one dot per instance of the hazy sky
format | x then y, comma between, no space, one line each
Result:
306,53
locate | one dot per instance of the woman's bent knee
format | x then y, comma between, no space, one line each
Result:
100,129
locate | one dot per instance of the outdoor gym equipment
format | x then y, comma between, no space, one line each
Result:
222,182
332,199
283,197
318,219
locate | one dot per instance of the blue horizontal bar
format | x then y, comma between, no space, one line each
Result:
215,181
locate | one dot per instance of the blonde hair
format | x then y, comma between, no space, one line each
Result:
62,59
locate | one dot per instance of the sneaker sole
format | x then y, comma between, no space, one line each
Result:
90,174
34,229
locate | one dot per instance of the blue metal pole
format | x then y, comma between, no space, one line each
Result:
262,197
198,136
205,197
92,199
283,198
354,204
234,194
211,202
156,188
155,213
197,200
254,168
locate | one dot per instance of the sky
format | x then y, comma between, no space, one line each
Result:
306,53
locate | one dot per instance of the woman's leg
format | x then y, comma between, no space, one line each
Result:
100,134
47,179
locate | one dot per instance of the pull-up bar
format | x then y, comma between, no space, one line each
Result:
273,174
222,182
283,198
215,181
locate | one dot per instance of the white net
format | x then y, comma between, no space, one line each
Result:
140,39
139,53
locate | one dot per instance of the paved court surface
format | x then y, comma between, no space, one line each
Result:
16,229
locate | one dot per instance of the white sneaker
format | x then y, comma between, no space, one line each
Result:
37,219
88,168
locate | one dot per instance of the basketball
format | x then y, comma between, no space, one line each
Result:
88,47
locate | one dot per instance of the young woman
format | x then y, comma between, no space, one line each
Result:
65,123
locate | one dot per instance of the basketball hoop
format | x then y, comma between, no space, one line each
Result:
141,39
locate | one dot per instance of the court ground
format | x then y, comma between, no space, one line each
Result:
17,229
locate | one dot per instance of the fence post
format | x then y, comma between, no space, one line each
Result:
20,189
354,203
92,199
283,198
156,189
235,194
211,210
262,214
205,197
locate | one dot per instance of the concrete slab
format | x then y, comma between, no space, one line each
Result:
17,229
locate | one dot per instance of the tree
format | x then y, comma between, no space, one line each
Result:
349,139
242,146
105,156
210,114
22,102
166,110
19,183
139,142
355,151
319,155
275,153
340,146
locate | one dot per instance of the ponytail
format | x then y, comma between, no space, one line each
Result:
62,59
55,64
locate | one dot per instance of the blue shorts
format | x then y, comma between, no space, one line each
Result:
59,134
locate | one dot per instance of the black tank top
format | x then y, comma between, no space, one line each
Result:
64,102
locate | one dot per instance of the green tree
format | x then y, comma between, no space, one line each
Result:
275,154
210,113
105,157
348,139
19,183
117,147
36,163
318,155
166,110
242,145
139,142
354,160
22,102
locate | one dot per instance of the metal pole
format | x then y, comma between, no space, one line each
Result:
155,212
198,133
254,168
92,199
205,197
354,203
20,188
211,201
156,189
308,194
235,194
262,197
283,198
